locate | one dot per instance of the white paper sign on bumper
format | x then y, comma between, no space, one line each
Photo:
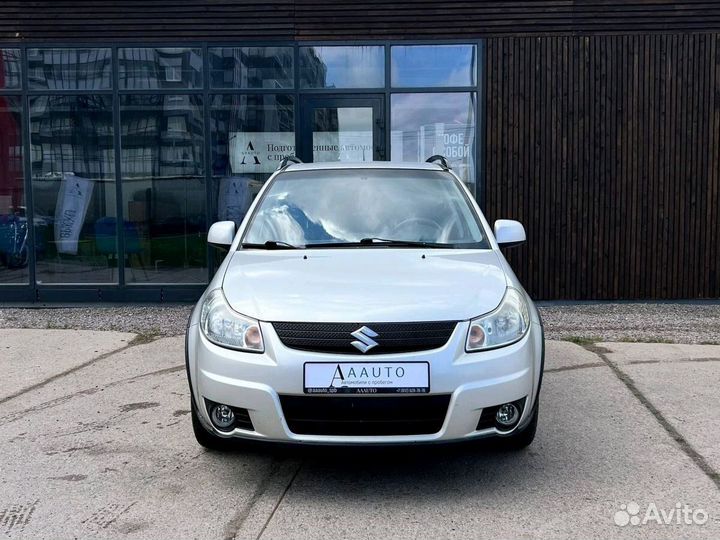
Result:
70,210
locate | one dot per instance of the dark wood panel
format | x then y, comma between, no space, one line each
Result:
607,149
223,20
148,20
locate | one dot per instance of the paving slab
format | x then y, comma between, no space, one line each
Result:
113,455
683,383
30,356
562,355
597,449
631,353
107,451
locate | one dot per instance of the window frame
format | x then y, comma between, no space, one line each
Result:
123,291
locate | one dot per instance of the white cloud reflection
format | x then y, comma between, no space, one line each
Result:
347,205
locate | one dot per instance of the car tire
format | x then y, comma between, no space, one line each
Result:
523,438
204,437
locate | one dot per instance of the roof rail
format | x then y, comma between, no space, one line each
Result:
287,160
443,161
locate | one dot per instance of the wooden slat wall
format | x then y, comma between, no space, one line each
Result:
146,20
317,19
233,20
607,148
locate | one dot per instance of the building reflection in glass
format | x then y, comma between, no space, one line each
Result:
160,67
10,69
70,69
252,67
163,188
250,134
164,199
73,181
425,124
342,67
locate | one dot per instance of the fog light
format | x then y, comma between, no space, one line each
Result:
222,417
507,415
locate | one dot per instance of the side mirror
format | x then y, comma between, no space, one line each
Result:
509,233
221,234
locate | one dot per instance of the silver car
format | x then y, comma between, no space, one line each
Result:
364,303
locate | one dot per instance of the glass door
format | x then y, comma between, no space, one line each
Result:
342,128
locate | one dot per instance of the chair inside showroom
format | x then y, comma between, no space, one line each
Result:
105,235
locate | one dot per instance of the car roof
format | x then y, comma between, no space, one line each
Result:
363,165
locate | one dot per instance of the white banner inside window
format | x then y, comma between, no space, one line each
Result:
70,210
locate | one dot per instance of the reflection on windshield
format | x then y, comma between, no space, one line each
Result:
303,208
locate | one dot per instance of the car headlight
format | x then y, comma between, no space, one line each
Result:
227,328
503,326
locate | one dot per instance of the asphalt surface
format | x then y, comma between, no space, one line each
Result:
96,441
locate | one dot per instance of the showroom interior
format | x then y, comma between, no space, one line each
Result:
133,151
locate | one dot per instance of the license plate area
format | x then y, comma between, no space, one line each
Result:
366,377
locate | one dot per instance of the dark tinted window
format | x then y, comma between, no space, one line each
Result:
160,67
251,67
73,182
13,212
10,68
70,69
250,134
163,188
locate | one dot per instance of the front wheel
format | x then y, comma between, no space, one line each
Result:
204,437
522,439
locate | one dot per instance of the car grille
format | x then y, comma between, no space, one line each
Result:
366,415
391,338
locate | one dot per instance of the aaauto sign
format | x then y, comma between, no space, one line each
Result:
259,152
262,152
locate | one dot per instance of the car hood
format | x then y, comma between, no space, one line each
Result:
364,284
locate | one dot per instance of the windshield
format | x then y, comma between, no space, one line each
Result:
336,207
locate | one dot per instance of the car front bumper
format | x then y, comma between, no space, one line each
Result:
256,381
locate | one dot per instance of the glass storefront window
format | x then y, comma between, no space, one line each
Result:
197,137
251,67
414,66
69,69
342,134
73,182
10,69
424,124
342,67
250,134
163,187
160,67
13,212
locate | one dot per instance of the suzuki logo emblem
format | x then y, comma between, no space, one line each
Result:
365,339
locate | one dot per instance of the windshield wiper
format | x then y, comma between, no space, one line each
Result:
406,243
365,242
270,244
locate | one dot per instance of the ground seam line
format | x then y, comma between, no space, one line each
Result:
277,504
574,367
70,371
684,445
233,527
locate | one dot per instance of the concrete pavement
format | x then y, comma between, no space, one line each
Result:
101,446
